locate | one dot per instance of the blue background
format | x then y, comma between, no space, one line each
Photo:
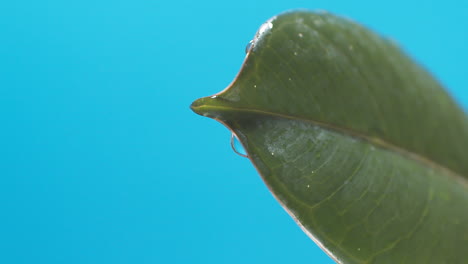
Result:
102,160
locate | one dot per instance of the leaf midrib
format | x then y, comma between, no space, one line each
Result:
344,131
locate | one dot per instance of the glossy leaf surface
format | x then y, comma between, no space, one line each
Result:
362,147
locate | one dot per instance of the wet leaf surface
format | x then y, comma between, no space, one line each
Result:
361,145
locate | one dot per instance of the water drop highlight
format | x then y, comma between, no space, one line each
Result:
237,146
249,46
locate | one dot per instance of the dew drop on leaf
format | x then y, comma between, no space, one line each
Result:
249,45
237,146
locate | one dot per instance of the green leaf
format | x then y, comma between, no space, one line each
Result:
363,148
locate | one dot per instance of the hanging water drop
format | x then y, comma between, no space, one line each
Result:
249,46
237,146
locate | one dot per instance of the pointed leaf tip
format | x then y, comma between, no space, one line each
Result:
211,106
197,106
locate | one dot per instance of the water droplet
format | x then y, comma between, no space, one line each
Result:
249,46
237,146
265,27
